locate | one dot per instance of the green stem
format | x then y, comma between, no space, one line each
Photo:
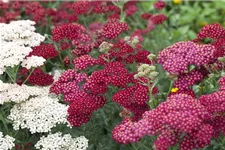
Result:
4,123
171,85
135,148
28,76
11,78
145,147
17,68
150,87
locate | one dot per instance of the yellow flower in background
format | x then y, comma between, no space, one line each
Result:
173,90
224,23
177,1
204,23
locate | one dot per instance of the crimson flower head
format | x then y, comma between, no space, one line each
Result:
158,18
44,50
159,5
113,28
213,31
67,31
82,7
216,33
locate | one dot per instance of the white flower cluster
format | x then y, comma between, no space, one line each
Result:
33,61
6,142
38,114
16,40
16,93
58,141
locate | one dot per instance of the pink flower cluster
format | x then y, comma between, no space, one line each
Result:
215,105
185,81
180,119
82,103
177,58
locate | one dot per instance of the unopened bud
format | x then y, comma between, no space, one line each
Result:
153,74
136,76
105,47
127,38
221,59
151,56
143,67
135,40
141,74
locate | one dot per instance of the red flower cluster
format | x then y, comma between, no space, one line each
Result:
113,28
67,31
35,10
216,33
37,77
91,7
159,5
44,50
83,62
158,19
134,99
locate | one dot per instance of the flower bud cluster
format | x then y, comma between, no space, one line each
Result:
147,71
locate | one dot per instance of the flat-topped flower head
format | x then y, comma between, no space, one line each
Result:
177,58
17,40
113,28
38,114
61,142
6,142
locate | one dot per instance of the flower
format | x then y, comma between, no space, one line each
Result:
158,18
44,50
174,90
17,40
187,80
33,61
113,28
61,142
83,62
16,93
177,1
179,120
67,31
175,59
159,5
76,90
6,142
38,114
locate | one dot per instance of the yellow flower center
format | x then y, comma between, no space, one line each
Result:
174,90
177,1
